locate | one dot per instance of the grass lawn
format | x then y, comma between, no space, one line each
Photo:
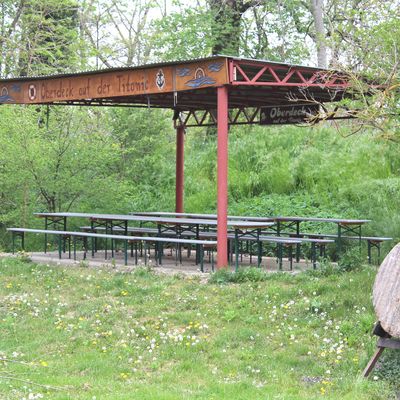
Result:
97,334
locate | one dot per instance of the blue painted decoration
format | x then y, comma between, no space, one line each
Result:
201,81
215,67
5,97
183,71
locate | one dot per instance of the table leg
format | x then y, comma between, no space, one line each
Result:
197,246
112,241
45,235
106,243
201,258
59,246
298,244
236,250
313,255
91,230
84,247
379,253
65,228
369,252
359,238
157,247
339,241
372,362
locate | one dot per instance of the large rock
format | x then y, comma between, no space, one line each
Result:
386,293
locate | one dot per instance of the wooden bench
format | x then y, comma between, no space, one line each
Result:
372,241
130,229
139,231
280,241
317,243
84,236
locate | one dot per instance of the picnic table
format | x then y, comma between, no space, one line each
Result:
177,225
279,220
122,220
345,226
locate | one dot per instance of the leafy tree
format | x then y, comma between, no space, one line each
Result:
146,141
182,35
10,16
54,168
48,37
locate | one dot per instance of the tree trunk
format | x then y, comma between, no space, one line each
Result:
226,29
317,9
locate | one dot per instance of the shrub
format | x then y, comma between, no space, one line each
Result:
388,368
242,275
351,260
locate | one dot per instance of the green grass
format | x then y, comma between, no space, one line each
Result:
95,334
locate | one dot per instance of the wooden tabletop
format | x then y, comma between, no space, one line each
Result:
342,221
236,224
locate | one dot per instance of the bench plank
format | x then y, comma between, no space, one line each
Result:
109,236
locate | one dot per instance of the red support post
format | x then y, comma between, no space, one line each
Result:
222,178
180,150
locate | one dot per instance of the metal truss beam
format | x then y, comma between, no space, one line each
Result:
248,73
250,116
237,116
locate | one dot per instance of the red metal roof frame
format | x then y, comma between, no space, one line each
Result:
251,84
217,90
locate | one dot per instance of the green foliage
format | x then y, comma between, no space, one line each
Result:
124,160
388,367
144,272
183,35
39,37
351,260
325,268
242,275
50,34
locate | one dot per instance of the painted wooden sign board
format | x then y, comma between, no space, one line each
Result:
292,114
386,293
118,83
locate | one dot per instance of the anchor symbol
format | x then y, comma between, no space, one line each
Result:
160,79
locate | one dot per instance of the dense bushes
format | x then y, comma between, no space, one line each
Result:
124,160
